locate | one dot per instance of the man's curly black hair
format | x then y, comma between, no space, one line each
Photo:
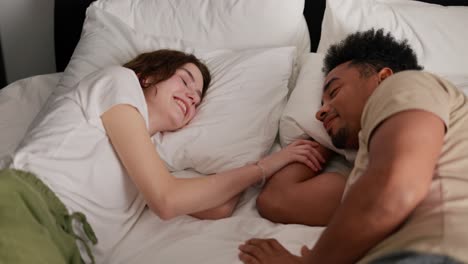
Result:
371,51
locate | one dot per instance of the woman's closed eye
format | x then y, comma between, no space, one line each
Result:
188,84
185,83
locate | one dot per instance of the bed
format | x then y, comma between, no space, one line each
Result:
292,52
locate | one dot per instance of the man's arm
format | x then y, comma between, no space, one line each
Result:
403,154
298,195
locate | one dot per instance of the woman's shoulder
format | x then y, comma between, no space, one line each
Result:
117,72
114,75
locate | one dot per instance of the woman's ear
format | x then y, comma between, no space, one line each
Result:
384,74
146,82
143,82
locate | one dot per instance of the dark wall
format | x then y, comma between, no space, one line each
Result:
313,12
447,2
2,68
69,17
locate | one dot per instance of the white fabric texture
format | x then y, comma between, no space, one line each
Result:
436,33
68,149
298,119
181,240
19,103
213,24
237,120
106,41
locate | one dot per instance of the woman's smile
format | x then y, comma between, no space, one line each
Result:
182,105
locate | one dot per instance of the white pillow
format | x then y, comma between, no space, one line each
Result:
239,117
436,33
225,24
237,120
105,40
20,101
460,81
298,119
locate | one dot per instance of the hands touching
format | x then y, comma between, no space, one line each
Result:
304,151
270,251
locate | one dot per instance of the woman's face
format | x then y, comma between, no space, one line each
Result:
172,103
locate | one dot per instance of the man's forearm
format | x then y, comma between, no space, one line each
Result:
398,177
367,216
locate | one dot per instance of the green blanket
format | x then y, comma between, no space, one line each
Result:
35,226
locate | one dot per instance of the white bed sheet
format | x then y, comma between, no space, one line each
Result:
19,103
189,240
152,240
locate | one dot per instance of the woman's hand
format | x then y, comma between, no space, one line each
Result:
304,151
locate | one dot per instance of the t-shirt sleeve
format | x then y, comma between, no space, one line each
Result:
106,88
408,90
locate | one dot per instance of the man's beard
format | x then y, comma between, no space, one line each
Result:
340,139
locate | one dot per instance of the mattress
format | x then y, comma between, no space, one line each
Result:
151,240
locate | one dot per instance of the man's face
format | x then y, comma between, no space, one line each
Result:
345,93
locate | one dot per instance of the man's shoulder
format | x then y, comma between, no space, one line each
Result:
407,90
410,87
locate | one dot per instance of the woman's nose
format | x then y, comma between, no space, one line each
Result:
194,97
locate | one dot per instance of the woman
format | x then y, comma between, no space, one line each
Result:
92,146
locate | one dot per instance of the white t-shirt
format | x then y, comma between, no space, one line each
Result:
68,149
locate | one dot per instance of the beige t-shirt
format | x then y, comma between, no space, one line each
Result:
439,224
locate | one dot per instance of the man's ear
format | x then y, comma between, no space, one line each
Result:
384,73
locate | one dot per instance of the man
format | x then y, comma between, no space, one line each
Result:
406,199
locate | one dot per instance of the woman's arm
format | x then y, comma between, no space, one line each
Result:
219,212
168,196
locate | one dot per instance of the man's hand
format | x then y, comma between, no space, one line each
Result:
269,251
301,150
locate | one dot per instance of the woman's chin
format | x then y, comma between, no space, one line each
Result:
178,126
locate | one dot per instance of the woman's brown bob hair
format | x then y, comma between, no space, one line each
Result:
162,64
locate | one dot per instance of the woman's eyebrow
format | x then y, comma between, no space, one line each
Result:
193,80
189,73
